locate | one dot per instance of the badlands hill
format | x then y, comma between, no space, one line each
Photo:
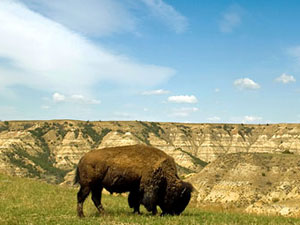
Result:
252,182
50,150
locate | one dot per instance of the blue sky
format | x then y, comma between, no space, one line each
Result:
154,60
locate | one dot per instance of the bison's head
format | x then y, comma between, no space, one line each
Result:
177,198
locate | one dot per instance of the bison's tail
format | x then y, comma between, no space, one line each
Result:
76,178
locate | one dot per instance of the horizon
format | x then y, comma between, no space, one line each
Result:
128,121
200,62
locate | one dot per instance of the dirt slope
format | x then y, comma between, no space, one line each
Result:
255,182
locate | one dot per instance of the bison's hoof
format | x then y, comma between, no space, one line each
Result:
80,210
80,215
101,209
154,213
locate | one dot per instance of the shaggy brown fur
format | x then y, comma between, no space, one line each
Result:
147,173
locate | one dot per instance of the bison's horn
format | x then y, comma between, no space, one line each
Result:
183,191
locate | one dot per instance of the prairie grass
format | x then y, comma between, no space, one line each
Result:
28,201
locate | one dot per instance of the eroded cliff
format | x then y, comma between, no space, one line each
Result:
253,182
50,149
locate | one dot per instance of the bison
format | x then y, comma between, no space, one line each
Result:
147,173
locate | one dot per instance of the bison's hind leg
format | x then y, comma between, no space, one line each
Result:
81,196
96,197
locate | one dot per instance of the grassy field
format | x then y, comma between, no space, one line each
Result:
27,201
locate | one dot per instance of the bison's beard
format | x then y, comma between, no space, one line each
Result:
177,198
183,200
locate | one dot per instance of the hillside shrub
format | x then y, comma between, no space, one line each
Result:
3,128
228,128
195,159
287,152
76,133
148,128
43,160
88,130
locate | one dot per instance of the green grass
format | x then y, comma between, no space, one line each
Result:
27,201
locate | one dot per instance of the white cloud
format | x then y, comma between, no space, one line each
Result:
217,90
252,119
106,17
58,97
45,55
285,79
247,119
168,15
79,99
156,92
214,119
45,107
91,17
183,99
83,100
245,83
183,112
231,19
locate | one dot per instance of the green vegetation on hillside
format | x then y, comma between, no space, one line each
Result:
43,161
3,128
228,128
186,130
183,170
20,157
38,134
27,201
60,129
149,127
88,130
196,160
245,131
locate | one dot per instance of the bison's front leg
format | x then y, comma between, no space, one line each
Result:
96,197
134,201
150,202
81,196
154,211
